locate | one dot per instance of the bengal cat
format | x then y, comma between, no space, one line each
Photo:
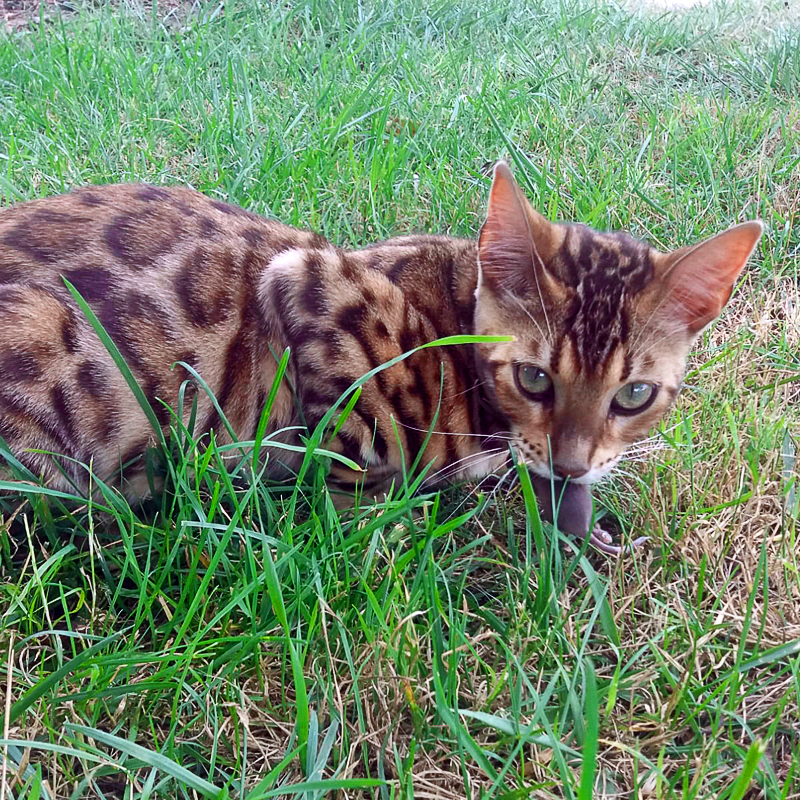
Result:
602,326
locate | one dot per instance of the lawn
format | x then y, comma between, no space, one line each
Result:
239,639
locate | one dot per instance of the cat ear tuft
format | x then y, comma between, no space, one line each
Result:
699,279
516,242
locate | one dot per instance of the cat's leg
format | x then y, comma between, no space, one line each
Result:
352,490
574,501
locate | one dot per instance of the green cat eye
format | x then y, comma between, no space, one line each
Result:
534,381
633,398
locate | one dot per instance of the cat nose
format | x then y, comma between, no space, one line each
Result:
565,469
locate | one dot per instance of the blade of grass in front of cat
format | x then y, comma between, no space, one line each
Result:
121,364
265,412
299,682
319,432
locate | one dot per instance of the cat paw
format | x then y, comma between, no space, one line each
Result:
604,541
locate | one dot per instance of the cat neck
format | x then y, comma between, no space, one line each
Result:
439,277
437,274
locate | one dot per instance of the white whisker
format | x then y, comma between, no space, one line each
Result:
651,448
531,317
476,385
624,473
471,460
514,478
500,436
477,488
642,459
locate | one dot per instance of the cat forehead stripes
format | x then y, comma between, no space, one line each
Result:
605,271
607,258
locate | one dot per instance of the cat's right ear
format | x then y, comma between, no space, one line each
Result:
516,242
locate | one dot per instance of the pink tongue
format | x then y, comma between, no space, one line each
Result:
574,502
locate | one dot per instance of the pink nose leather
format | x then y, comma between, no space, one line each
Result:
567,470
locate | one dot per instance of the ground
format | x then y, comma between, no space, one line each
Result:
238,637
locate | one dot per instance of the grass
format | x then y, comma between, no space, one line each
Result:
243,642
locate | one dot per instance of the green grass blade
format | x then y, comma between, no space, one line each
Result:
280,371
591,710
153,759
323,786
301,693
751,761
119,361
40,689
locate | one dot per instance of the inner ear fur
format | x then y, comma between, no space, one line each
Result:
516,242
696,282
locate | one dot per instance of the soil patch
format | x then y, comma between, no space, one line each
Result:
22,15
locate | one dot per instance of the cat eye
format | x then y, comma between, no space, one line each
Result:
634,398
534,381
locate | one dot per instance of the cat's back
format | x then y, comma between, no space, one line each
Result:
101,235
178,278
171,275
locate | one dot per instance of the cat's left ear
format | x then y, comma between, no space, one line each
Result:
699,279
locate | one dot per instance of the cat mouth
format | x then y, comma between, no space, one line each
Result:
543,471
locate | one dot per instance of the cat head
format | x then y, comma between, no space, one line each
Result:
603,325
